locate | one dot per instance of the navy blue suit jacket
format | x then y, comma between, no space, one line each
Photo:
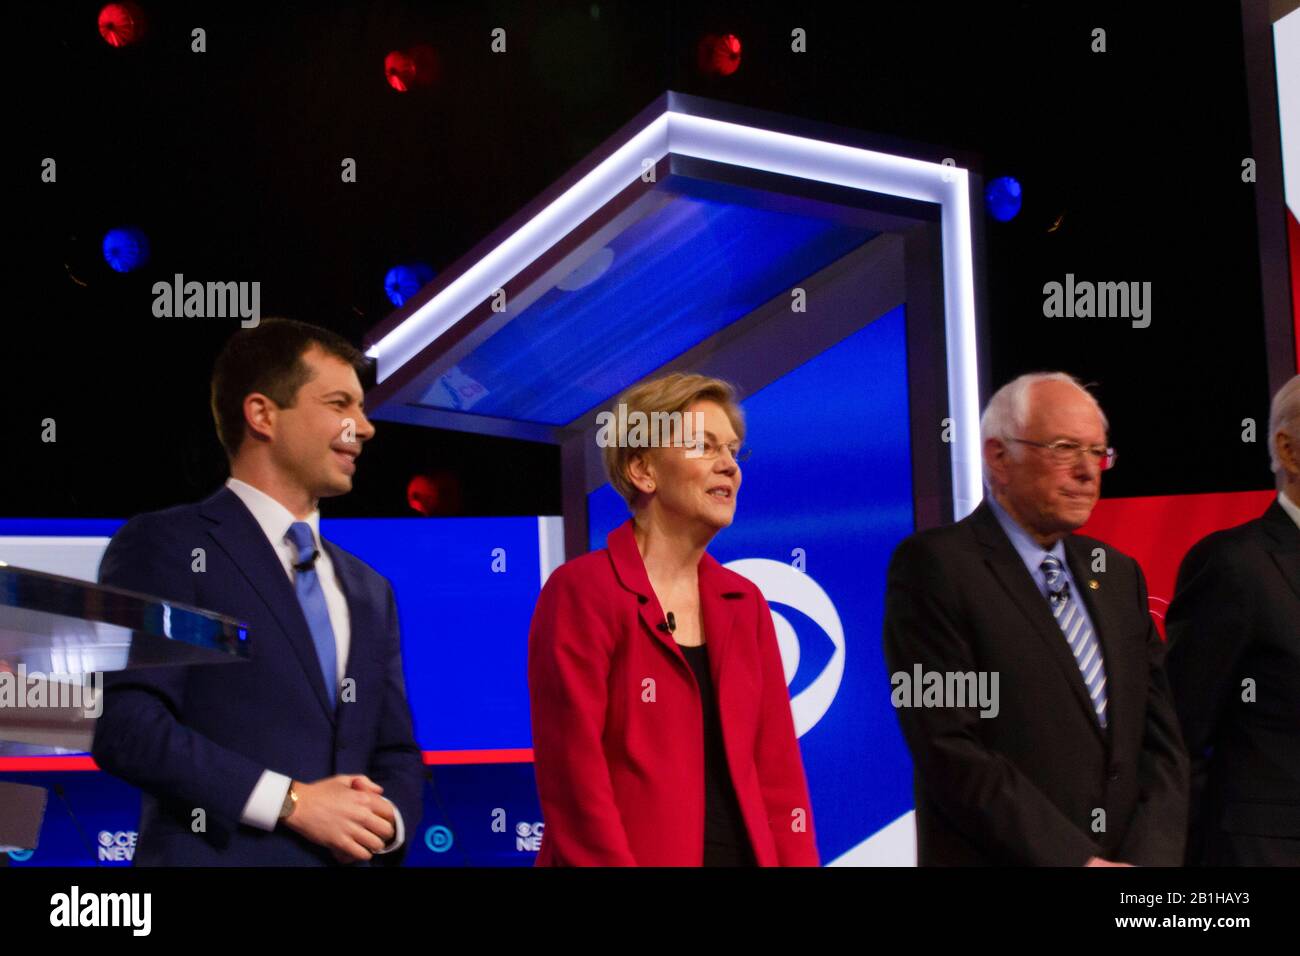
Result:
200,737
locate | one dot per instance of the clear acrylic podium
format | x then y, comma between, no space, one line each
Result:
56,633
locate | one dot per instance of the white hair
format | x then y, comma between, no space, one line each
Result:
1283,416
1007,412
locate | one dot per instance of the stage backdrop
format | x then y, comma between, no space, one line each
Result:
823,502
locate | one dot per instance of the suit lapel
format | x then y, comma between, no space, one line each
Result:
239,535
361,627
363,615
1283,543
1014,577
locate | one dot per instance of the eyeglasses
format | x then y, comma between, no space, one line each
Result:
1066,452
708,450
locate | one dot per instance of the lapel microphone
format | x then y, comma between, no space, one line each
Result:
670,626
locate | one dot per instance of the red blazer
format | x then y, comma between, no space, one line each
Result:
617,729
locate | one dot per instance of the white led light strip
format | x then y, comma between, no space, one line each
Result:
759,149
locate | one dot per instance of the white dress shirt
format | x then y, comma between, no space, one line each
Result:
263,807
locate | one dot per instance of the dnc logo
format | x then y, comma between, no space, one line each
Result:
438,839
783,584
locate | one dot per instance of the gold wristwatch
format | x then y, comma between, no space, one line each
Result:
290,801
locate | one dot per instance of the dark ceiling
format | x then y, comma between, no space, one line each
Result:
230,161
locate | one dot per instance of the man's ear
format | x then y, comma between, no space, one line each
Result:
995,456
259,416
1288,453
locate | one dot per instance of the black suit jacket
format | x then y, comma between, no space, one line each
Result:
1025,787
1236,617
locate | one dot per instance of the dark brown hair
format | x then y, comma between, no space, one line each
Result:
268,359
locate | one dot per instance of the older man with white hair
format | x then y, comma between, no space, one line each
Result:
1234,664
1079,761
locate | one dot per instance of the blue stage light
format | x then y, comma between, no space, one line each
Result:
126,249
402,282
1002,197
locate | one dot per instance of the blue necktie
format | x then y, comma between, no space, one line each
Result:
312,599
1083,643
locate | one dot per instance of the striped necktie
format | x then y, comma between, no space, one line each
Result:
307,583
1083,643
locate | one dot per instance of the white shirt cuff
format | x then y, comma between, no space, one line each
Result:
263,807
400,833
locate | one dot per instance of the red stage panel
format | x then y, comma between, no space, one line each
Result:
1158,531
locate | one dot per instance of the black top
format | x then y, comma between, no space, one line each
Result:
726,842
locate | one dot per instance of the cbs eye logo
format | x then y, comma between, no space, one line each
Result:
783,584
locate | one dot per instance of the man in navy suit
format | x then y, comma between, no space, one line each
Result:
305,754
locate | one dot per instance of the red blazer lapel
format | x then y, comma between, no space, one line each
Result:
716,609
630,571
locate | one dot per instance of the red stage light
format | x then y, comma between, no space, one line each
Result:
719,55
434,493
422,495
405,69
121,24
399,69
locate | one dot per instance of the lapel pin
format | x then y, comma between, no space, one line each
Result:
1094,584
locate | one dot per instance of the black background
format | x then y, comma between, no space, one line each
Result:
230,161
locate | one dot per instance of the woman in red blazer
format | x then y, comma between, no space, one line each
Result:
662,731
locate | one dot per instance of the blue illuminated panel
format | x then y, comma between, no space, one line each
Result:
830,480
692,267
464,625
60,527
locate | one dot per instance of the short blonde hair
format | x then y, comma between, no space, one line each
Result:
670,393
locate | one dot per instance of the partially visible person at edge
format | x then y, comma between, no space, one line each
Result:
1234,625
